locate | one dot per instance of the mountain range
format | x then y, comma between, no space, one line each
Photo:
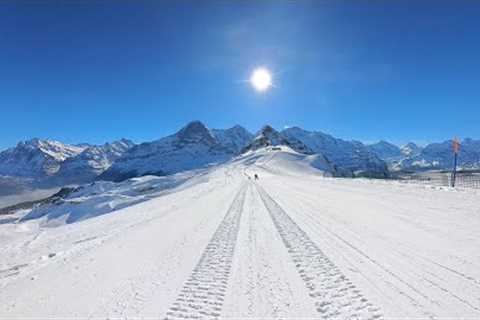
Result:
48,162
434,156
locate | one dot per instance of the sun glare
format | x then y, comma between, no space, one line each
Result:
261,79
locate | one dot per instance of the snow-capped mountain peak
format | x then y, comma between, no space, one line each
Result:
268,136
195,132
440,156
410,149
234,139
353,156
93,161
57,150
191,147
36,158
385,150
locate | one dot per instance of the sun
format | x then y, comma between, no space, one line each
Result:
261,79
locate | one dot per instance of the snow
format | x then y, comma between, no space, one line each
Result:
216,243
102,197
284,160
40,164
192,147
235,138
385,150
26,196
439,156
36,158
351,156
92,161
410,149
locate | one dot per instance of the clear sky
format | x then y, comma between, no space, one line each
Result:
94,71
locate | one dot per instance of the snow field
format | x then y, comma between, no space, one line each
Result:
221,245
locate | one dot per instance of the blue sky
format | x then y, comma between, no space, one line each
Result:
94,71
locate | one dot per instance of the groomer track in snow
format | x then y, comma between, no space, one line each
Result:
335,296
203,294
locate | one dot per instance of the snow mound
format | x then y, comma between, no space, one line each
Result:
352,156
284,160
102,197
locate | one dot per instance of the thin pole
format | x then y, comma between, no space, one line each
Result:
454,173
456,148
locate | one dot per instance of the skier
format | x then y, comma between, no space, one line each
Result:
256,176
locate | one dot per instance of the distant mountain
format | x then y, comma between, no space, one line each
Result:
194,146
36,158
440,156
268,136
46,163
385,150
40,163
234,139
434,156
410,150
347,155
92,161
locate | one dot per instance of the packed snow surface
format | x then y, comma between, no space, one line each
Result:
219,244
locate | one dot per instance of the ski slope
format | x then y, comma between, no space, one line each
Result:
294,244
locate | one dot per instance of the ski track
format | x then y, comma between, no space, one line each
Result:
203,293
334,294
264,283
422,283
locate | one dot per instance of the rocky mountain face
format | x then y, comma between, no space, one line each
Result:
385,150
234,139
268,136
434,156
440,156
36,158
352,156
92,161
46,163
194,146
410,150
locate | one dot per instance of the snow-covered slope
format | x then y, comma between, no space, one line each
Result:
221,245
347,155
281,158
192,147
92,161
234,139
102,197
36,158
